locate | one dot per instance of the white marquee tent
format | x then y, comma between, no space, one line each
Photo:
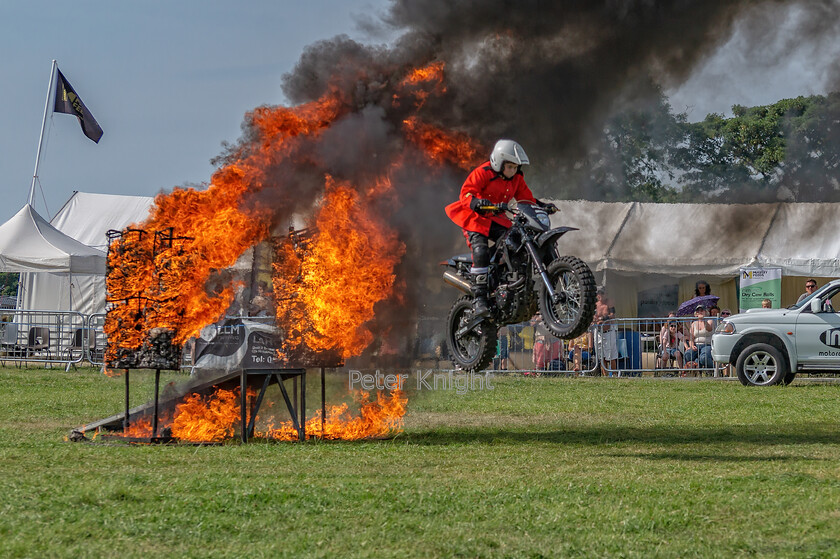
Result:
709,239
28,243
636,246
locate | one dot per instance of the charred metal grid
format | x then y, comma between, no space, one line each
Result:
156,348
299,241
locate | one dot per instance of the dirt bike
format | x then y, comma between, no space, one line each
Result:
526,272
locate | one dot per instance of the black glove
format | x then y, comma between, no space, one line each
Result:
549,207
477,203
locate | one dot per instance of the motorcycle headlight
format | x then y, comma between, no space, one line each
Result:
543,218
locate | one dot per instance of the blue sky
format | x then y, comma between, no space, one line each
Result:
169,81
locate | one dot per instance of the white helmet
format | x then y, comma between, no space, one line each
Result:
507,150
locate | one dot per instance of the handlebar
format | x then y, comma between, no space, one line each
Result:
502,207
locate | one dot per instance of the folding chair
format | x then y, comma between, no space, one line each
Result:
9,341
77,345
38,342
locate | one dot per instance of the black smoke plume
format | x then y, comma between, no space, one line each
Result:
547,74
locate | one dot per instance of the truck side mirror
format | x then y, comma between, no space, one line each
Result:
816,305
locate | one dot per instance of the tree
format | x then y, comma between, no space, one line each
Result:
630,156
787,150
9,283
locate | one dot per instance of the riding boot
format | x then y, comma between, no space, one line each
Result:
478,277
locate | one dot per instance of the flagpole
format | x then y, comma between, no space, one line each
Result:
41,139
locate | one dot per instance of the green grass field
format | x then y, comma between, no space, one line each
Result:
537,467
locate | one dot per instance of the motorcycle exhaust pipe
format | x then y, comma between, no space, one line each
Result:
455,280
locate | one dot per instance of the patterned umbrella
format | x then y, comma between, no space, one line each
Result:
689,306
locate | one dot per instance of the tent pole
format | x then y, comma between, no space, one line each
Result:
41,139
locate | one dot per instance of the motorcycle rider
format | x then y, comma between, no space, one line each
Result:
496,181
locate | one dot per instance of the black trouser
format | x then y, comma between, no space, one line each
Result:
481,247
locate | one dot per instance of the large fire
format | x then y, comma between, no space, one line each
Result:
217,417
326,292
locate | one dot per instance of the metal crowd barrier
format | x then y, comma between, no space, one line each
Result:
45,337
621,347
96,354
96,331
69,338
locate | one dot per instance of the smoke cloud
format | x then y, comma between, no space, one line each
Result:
547,74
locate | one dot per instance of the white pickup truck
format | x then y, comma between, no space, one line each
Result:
769,346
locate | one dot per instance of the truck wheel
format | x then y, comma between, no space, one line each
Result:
761,365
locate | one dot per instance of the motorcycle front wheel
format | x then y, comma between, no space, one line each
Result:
571,314
474,350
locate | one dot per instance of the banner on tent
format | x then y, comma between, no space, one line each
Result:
758,284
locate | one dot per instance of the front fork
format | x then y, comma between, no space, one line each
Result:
535,257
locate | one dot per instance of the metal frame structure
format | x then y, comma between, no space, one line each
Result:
295,402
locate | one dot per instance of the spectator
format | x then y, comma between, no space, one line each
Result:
702,288
767,304
670,340
502,351
547,352
580,350
810,287
671,318
725,313
699,340
714,311
527,333
606,343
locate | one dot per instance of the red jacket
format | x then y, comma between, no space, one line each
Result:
485,183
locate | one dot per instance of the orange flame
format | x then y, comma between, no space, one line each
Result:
325,298
217,417
422,83
139,428
441,145
209,419
378,419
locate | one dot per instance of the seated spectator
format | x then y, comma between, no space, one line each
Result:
714,311
671,318
699,340
767,304
580,350
670,342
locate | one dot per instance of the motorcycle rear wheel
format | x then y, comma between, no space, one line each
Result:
475,350
572,315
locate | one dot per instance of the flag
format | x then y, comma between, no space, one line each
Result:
66,101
